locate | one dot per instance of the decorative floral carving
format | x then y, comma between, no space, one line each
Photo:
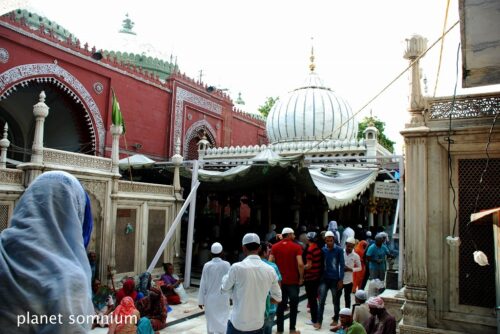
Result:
49,70
98,190
98,88
182,95
76,160
4,55
11,176
149,188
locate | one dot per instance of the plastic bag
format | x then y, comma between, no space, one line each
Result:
182,293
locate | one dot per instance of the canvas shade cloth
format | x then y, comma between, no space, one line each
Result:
135,161
340,185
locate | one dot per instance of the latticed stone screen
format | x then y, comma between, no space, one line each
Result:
193,149
477,283
126,226
4,216
156,234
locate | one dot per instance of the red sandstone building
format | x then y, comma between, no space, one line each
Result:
160,105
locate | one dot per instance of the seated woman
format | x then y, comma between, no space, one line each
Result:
170,282
144,285
154,307
103,303
125,317
128,289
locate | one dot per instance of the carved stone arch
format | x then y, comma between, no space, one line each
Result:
194,131
46,72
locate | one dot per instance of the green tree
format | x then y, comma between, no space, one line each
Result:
266,107
382,139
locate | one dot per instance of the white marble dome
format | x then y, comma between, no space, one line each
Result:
311,112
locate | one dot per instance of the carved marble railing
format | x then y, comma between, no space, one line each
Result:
147,188
76,160
467,106
289,148
11,177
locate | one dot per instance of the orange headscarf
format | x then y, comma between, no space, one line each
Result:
126,307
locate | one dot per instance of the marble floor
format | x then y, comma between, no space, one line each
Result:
189,319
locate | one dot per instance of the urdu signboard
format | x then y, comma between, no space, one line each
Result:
387,190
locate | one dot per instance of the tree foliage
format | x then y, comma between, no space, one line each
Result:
382,139
266,107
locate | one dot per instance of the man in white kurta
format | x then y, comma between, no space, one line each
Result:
210,296
250,281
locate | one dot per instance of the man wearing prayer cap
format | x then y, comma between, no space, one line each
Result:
380,322
287,255
352,265
361,309
216,304
376,256
333,275
250,281
348,324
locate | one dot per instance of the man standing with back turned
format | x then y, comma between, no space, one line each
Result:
288,257
210,297
250,281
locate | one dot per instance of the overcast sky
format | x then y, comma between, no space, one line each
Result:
261,48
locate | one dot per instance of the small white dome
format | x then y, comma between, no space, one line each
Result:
311,112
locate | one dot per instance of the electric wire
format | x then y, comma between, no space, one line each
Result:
381,91
450,166
441,49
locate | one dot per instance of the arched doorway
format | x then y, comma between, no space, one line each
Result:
67,127
191,149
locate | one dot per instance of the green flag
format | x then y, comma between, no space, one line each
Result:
116,116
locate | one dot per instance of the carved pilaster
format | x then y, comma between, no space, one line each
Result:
415,307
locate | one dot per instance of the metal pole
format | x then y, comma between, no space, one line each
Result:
190,232
173,227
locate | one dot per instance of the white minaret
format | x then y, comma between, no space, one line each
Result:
41,111
4,145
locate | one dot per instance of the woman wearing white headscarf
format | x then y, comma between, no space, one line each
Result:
45,276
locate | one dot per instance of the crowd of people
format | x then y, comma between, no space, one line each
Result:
266,282
51,227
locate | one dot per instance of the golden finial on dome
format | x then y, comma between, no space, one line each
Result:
312,66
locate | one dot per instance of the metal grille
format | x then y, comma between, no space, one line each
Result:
465,107
4,217
476,283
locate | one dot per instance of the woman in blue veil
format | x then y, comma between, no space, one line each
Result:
45,276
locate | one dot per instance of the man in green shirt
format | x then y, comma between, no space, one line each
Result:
347,325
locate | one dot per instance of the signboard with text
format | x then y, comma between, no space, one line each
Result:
387,190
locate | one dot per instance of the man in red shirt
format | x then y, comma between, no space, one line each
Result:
288,257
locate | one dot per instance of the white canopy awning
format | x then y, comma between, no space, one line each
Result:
342,185
135,161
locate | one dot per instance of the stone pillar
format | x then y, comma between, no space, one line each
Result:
116,131
4,145
416,210
415,46
35,167
41,111
177,160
